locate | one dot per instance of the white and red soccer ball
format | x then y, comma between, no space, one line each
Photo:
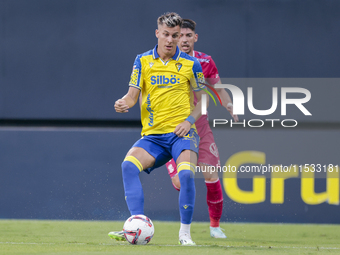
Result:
138,229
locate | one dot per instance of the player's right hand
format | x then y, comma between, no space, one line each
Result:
231,110
182,128
121,106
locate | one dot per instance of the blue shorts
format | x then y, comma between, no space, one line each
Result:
164,147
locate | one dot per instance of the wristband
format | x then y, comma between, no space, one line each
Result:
191,120
230,104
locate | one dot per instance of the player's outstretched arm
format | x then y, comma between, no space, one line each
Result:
226,101
126,102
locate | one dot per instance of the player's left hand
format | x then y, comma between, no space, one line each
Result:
183,128
230,109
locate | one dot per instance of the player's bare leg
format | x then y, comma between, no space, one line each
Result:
143,156
172,171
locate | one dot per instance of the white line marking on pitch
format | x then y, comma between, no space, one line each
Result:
170,245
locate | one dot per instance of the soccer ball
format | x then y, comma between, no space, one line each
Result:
138,229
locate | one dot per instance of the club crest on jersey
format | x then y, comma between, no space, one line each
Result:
151,64
178,66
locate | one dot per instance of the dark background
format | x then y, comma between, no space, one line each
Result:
70,59
63,63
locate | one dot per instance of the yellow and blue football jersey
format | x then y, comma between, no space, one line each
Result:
166,87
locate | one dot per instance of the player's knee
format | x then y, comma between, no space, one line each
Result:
175,182
186,178
187,168
187,174
211,179
131,166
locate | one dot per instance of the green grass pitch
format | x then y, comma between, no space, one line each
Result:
90,237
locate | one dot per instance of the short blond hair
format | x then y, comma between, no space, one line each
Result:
170,19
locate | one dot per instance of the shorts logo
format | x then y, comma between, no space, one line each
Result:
213,149
192,138
178,66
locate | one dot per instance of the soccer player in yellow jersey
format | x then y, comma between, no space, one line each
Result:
166,77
